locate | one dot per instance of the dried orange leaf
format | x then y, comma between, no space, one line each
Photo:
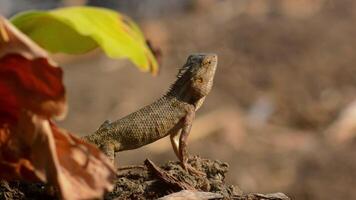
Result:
13,41
31,147
86,171
36,84
27,72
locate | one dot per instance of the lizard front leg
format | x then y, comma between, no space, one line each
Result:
176,136
175,142
183,141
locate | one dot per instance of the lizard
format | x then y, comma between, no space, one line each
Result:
172,114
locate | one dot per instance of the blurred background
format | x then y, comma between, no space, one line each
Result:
282,111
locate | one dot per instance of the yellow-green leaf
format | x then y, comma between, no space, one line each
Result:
77,30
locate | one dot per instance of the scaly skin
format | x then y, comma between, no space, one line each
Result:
172,114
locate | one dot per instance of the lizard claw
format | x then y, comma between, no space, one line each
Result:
191,170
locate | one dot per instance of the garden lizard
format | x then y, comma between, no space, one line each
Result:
172,114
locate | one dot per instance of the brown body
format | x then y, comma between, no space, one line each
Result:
172,114
144,126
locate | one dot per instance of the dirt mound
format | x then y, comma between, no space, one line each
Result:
149,181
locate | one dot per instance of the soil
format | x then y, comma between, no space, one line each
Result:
144,183
25,190
148,181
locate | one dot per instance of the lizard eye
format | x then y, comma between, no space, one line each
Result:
199,80
207,62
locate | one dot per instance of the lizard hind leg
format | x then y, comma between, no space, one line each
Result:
109,151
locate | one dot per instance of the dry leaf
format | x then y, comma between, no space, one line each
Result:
31,146
86,170
13,41
191,195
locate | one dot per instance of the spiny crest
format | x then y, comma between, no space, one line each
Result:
189,66
192,62
182,70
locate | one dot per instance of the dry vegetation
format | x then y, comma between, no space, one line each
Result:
286,74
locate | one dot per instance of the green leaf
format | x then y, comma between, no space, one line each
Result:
77,30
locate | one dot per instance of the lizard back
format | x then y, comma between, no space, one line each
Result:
146,125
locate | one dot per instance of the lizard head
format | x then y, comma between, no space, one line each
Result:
202,69
195,78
